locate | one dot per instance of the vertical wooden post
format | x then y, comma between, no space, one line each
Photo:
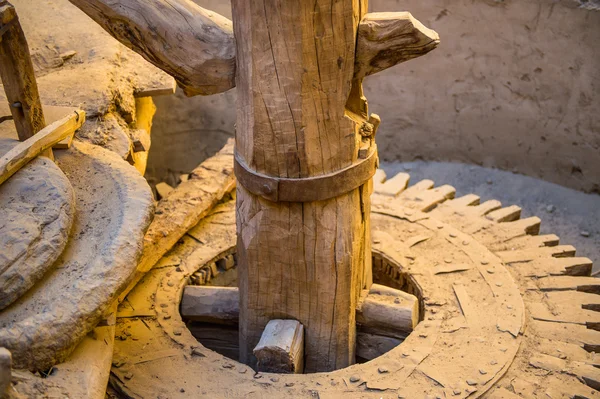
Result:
16,71
300,115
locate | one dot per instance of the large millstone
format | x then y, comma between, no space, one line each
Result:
37,207
113,209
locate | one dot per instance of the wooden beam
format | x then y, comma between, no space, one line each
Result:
16,71
386,39
281,347
24,152
388,311
219,305
300,115
194,45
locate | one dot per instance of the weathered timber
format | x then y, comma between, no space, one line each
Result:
386,39
220,305
281,347
184,207
24,152
300,113
194,45
16,70
388,311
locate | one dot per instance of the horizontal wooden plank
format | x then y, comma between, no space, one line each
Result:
211,304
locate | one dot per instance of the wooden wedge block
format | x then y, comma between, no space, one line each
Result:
281,347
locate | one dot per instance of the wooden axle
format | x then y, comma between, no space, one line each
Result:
197,47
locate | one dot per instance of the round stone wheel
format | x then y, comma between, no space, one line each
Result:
505,313
37,209
113,209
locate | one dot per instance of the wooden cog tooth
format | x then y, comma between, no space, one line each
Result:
392,187
508,214
487,207
379,177
527,255
464,201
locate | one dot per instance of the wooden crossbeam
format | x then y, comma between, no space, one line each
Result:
385,311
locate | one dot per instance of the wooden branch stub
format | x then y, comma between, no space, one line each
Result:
281,347
387,311
16,71
24,152
389,38
194,45
220,305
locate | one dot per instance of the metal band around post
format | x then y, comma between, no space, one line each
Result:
316,188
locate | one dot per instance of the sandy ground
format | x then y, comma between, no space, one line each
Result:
568,213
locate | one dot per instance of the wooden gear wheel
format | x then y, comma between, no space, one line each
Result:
506,313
